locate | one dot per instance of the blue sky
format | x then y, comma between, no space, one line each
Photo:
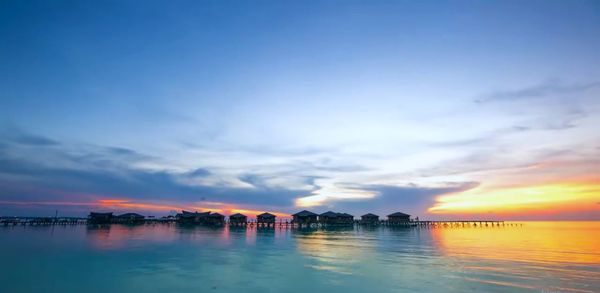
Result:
283,105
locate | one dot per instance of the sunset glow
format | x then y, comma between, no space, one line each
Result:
526,199
366,109
439,146
544,246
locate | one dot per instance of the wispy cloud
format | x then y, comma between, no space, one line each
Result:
487,138
35,140
16,135
91,171
411,198
551,105
540,91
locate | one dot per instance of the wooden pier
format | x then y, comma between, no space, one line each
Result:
279,224
460,223
384,223
42,221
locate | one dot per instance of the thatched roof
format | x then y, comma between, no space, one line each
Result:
216,215
266,215
186,214
130,215
94,214
398,214
304,213
329,214
369,215
345,215
237,216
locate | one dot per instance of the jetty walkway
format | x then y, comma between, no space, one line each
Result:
15,221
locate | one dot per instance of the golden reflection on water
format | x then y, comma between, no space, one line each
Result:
109,237
334,252
535,257
547,242
563,254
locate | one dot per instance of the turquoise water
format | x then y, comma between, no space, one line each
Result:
538,257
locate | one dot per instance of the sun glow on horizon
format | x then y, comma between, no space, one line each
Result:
522,199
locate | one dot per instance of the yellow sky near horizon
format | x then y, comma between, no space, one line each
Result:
525,199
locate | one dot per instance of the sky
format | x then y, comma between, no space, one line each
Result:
439,109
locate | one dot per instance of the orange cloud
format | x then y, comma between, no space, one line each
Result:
127,204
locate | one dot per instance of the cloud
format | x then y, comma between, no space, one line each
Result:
551,105
497,159
35,140
15,135
141,184
106,172
484,139
200,172
269,150
412,198
546,89
121,151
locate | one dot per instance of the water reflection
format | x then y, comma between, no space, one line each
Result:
546,256
118,236
335,250
538,256
536,242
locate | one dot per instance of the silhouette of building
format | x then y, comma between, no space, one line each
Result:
304,217
333,218
345,219
238,219
130,218
100,218
369,219
398,218
328,218
215,219
192,217
267,219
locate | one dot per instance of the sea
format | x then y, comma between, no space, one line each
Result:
526,257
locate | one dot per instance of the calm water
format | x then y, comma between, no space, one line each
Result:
538,257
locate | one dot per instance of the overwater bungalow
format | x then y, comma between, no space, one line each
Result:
265,219
192,217
328,217
100,218
345,219
304,217
369,219
238,219
168,218
333,218
398,218
129,218
215,219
